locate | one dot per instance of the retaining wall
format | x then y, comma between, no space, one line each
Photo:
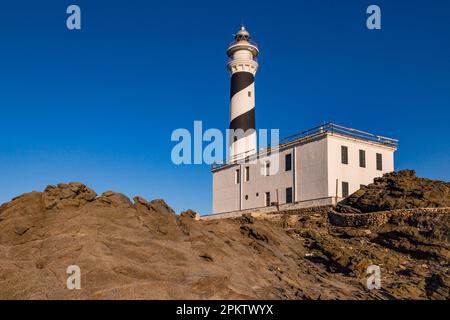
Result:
380,217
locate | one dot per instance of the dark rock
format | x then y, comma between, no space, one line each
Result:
253,234
397,190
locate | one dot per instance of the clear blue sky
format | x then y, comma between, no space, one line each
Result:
99,105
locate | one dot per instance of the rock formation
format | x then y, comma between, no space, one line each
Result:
397,190
143,250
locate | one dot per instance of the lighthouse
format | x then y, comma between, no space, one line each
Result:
312,168
242,65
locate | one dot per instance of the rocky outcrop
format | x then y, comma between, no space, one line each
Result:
157,205
114,199
143,250
67,195
397,190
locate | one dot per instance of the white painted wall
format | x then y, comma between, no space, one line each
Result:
225,190
316,166
279,179
311,165
352,172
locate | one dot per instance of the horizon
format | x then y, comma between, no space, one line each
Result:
98,105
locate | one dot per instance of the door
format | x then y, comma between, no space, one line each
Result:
267,199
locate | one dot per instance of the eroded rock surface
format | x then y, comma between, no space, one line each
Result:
68,195
143,250
397,190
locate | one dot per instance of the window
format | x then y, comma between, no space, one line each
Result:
344,189
288,195
267,168
247,173
267,199
288,162
362,158
379,161
237,177
249,94
246,197
344,154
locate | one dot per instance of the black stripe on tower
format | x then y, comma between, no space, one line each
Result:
244,121
240,81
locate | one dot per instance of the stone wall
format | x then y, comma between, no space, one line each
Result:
309,206
380,217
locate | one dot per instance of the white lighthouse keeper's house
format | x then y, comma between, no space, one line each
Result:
316,167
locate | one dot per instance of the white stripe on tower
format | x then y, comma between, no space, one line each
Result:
240,102
242,66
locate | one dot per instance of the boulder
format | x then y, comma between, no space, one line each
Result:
190,214
157,205
114,199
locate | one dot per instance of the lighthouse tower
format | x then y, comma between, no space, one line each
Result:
242,65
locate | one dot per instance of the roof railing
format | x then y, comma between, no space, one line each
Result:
328,127
338,129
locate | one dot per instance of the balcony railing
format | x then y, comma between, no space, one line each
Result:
253,43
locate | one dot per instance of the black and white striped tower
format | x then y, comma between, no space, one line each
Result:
242,65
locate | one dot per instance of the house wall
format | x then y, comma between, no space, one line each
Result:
352,172
316,164
225,190
229,196
311,169
253,191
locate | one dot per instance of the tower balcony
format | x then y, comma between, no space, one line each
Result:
243,45
249,41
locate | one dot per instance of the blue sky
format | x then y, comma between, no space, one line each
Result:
99,105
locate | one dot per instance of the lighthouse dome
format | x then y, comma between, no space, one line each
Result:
242,35
243,42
